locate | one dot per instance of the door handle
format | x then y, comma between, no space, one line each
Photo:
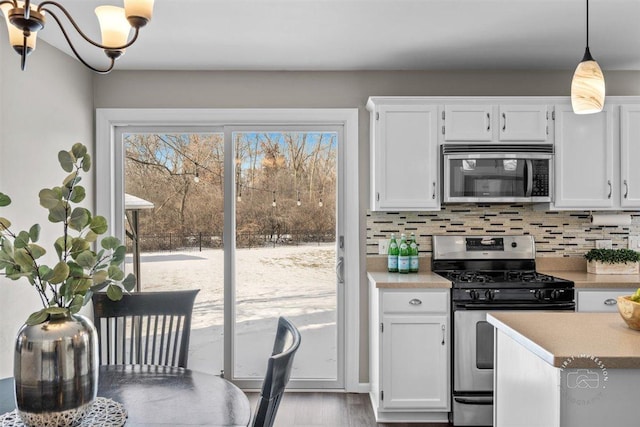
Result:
433,196
529,189
626,189
504,122
340,269
610,189
610,301
488,122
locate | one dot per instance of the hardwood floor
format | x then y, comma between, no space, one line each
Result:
328,410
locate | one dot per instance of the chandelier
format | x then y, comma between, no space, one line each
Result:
24,20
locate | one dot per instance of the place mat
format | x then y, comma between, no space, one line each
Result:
103,413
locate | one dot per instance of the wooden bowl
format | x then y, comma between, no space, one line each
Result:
630,311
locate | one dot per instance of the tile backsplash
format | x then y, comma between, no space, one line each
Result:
556,233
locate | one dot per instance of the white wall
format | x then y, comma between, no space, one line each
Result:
43,110
244,89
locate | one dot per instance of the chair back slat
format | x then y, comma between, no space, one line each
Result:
279,368
144,328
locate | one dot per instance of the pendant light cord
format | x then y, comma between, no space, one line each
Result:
587,24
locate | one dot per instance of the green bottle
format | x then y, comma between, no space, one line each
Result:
413,254
403,256
392,255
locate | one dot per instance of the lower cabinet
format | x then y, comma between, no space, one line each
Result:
600,300
410,354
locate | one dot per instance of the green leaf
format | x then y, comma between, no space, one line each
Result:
4,200
99,224
58,213
57,311
4,223
21,240
86,162
100,277
78,150
78,194
66,160
79,245
90,236
34,232
36,250
60,247
129,282
100,286
60,273
110,243
118,255
45,272
114,292
71,180
115,273
79,219
76,304
49,198
22,258
37,317
86,259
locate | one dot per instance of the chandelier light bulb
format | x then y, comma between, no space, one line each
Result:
114,26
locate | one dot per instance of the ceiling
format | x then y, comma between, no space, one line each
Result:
371,34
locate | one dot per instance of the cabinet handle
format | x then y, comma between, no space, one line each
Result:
504,122
626,189
415,301
610,301
434,191
610,188
488,122
442,335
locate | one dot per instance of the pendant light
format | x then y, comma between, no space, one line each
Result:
587,86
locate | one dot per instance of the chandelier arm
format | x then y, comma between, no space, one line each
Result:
23,55
14,3
75,52
77,28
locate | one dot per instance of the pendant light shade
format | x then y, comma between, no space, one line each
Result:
587,86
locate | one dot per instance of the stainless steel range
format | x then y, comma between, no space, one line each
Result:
488,273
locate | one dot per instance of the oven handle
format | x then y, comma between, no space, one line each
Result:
516,306
474,400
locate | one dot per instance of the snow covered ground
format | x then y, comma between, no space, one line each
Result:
294,281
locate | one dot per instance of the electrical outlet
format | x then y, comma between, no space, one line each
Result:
634,243
604,244
383,246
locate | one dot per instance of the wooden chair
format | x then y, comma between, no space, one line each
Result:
278,372
146,328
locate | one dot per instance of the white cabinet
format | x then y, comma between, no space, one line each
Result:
404,157
599,300
584,159
410,354
488,123
629,156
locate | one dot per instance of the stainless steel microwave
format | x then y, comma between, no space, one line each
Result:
497,173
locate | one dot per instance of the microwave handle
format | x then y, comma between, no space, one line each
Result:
528,167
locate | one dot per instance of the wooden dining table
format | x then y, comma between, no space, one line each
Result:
164,396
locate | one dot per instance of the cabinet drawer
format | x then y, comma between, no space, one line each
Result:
415,302
600,301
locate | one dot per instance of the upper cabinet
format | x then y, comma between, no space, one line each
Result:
404,156
629,156
584,159
495,124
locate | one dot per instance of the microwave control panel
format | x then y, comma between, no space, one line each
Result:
540,178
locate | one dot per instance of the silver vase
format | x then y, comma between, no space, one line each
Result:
56,371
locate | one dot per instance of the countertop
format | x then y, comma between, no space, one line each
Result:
582,279
427,279
572,338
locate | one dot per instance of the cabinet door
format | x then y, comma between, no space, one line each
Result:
523,123
415,362
467,123
405,158
629,156
584,159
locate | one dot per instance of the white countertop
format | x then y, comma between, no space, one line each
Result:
556,337
426,279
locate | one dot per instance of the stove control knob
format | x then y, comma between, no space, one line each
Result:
555,294
489,294
539,294
473,294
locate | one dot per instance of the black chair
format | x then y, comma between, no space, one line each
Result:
146,328
278,372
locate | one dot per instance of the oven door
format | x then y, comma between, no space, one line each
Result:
497,177
473,352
